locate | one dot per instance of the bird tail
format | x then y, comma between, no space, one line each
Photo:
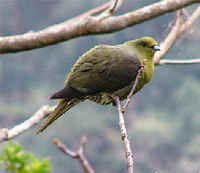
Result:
62,107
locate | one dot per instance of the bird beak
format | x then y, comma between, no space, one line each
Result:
156,48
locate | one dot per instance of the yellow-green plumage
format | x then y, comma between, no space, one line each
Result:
105,71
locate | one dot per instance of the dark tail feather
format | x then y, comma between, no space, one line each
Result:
59,94
62,107
67,93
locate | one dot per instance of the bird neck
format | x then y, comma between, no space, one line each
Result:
140,51
147,61
148,69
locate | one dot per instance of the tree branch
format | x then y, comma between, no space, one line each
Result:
113,8
7,134
139,75
124,136
79,154
179,62
121,111
88,25
174,34
96,10
170,39
190,20
113,4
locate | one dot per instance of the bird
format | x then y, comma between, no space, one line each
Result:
103,72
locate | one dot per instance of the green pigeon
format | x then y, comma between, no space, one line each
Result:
103,72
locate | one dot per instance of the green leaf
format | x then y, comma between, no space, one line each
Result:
15,160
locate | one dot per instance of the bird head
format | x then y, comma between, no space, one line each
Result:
146,46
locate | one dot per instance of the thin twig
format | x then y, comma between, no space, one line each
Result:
185,13
121,111
170,39
64,149
190,20
175,33
95,10
124,136
113,9
114,6
179,62
7,134
79,154
139,75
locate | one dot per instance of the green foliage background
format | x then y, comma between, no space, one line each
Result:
15,160
163,120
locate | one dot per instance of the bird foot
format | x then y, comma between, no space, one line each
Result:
141,71
114,100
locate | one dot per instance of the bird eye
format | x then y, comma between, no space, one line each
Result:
143,44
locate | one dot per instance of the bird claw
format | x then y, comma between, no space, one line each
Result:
141,71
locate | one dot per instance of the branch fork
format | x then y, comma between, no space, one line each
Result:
176,32
79,154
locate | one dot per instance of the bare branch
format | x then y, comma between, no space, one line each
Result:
190,20
170,39
121,111
185,13
124,136
80,154
87,25
96,10
113,8
7,134
139,75
64,149
115,5
175,33
179,62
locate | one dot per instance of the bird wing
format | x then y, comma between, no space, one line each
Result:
104,69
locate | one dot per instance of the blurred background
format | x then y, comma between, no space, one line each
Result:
163,120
